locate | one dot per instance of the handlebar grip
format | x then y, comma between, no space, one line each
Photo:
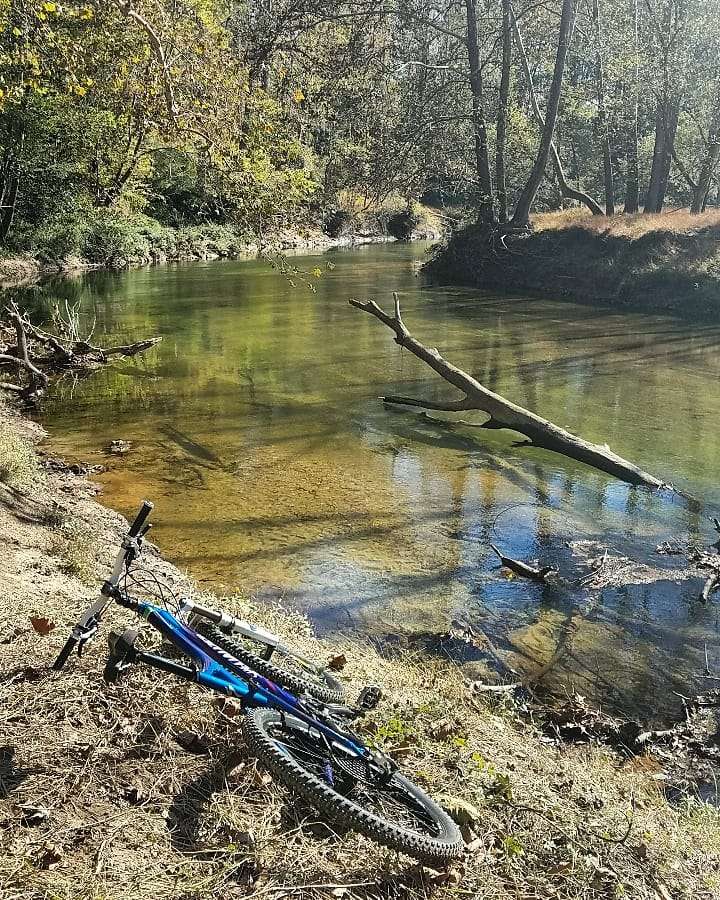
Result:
145,511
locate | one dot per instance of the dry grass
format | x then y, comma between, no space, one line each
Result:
98,799
669,261
676,221
74,547
18,463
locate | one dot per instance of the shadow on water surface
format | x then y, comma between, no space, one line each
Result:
256,428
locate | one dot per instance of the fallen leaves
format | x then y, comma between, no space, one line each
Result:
42,625
192,742
337,663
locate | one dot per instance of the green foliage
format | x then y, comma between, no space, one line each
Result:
196,113
111,238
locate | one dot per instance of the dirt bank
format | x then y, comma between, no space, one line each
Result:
21,270
669,261
144,789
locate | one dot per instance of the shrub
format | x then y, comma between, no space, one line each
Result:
58,239
337,223
18,466
402,224
75,547
113,239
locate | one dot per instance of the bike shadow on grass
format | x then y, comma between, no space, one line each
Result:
196,832
297,821
12,775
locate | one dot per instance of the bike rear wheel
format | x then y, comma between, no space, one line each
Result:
351,790
291,674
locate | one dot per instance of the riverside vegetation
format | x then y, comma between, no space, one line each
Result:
134,131
125,793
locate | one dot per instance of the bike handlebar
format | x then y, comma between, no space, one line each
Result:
145,510
87,625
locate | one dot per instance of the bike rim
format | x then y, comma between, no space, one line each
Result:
357,779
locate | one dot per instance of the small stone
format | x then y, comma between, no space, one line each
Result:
119,447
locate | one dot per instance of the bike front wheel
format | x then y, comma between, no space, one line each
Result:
352,790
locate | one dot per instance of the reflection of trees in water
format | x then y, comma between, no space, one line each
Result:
254,380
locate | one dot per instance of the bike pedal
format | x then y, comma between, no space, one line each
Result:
369,697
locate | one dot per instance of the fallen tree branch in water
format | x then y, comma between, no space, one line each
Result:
710,586
37,355
523,569
82,348
503,413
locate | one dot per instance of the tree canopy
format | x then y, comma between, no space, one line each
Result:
259,114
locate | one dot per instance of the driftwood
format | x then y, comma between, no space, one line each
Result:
36,355
523,569
479,687
710,586
503,413
716,545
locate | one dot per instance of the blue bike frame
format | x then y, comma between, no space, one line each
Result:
220,671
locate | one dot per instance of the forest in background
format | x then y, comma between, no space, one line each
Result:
121,119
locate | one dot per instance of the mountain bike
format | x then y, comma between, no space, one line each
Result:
303,738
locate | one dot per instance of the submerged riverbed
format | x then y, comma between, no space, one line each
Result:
256,429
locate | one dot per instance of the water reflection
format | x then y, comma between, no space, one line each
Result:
256,428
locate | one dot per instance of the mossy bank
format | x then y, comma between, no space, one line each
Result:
144,789
669,261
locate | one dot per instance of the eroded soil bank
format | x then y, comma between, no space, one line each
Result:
144,788
618,262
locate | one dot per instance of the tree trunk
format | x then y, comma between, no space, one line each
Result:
709,164
566,188
500,179
486,206
666,120
503,413
529,192
632,187
602,121
11,183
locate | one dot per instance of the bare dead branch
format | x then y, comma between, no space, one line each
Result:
82,348
523,569
504,413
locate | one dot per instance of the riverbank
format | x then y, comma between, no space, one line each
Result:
669,261
118,241
132,791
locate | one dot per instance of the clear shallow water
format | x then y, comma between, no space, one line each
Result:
257,431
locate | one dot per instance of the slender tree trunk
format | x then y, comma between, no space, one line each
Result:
500,179
709,164
632,188
666,120
486,206
547,145
11,184
603,129
566,189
